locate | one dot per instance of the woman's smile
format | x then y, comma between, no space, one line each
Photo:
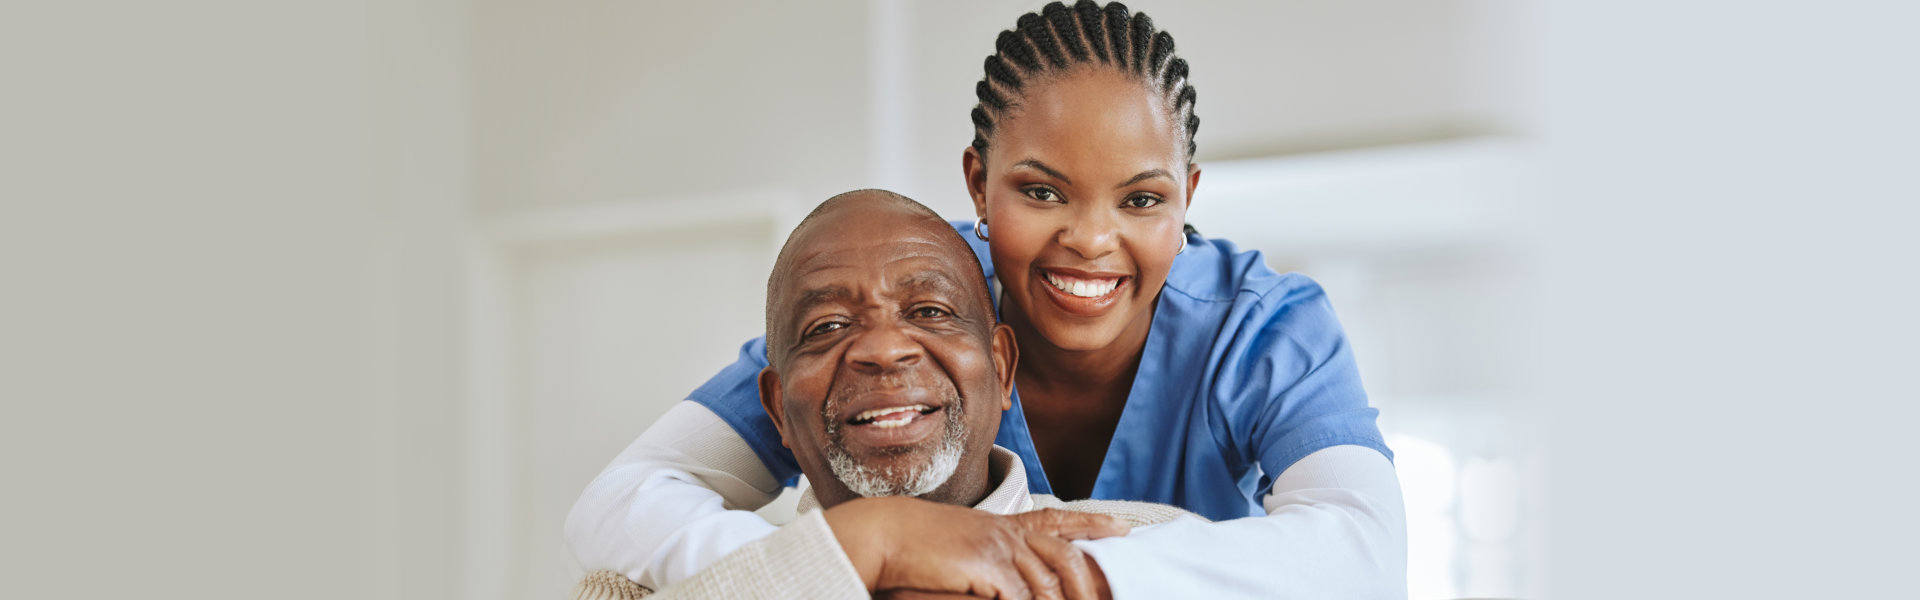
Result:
1081,293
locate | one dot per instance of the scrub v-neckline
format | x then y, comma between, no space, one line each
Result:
1108,475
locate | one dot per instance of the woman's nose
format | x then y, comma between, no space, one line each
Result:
884,347
1091,233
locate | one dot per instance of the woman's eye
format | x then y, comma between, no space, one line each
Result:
1143,202
1042,194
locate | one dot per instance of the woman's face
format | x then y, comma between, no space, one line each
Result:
1085,189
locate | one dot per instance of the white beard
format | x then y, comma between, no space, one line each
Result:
871,482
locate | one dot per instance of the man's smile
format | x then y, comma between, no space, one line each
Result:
893,418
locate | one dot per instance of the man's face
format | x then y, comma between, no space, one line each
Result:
886,381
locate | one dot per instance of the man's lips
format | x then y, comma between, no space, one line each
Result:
895,428
892,416
902,416
890,401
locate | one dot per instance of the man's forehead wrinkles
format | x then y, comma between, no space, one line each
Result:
934,256
826,245
909,272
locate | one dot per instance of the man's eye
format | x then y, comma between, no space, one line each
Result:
929,312
1042,194
1143,202
826,327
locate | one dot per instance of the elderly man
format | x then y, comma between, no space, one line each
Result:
887,377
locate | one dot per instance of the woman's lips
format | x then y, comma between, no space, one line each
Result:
1082,293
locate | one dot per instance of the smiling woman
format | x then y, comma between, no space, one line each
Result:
1085,217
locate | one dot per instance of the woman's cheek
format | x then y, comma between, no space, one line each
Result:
1017,242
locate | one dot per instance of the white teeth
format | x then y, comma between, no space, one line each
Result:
902,415
1084,288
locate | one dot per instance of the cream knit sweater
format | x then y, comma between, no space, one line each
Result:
804,560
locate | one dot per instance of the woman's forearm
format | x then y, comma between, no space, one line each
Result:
1335,528
674,502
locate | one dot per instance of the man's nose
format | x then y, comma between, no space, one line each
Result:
884,347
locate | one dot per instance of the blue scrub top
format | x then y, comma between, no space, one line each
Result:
1245,372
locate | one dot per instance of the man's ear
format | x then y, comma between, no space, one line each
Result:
974,167
770,400
1006,356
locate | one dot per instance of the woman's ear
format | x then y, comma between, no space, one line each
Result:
770,400
1006,356
1193,182
974,166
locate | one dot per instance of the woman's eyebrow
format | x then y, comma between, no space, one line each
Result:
1035,163
1145,175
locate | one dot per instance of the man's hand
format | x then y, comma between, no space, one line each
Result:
912,544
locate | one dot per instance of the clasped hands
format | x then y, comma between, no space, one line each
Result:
912,548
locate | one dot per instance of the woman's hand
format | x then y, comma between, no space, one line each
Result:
927,547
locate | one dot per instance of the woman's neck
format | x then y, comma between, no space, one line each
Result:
1090,372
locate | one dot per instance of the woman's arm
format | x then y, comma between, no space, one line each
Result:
674,502
1290,399
1335,528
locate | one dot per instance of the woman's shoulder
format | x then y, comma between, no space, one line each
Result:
1217,271
1256,315
1279,355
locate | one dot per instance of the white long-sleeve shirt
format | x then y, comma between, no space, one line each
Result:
678,499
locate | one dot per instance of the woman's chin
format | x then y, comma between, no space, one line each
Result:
1081,337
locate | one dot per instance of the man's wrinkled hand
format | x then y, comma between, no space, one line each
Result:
927,547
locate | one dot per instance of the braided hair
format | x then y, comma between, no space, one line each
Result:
1059,39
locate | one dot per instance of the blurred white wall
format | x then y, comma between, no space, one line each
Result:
585,102
230,249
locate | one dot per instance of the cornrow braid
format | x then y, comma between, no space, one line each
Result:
1119,39
1066,30
1093,25
1058,39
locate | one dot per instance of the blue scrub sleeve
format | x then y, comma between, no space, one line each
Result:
734,395
1312,398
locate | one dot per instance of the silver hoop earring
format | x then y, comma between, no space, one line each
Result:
1183,244
979,230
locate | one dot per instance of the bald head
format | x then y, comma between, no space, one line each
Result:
874,220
